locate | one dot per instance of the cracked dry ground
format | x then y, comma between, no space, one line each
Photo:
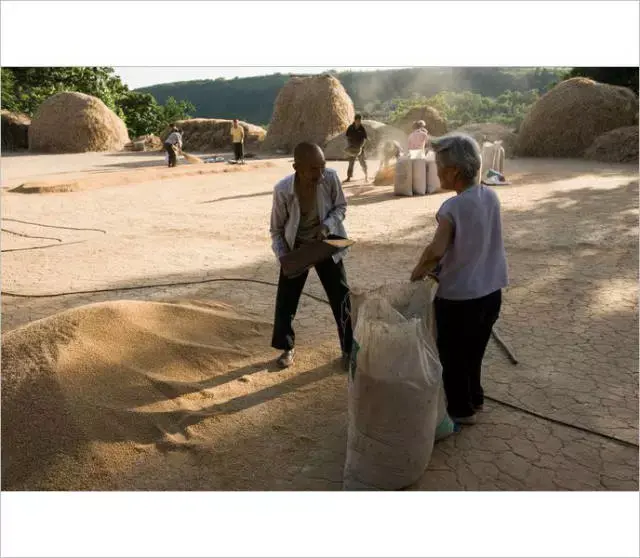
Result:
570,315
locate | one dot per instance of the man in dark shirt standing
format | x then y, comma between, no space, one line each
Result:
356,139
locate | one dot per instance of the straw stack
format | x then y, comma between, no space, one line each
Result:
568,119
72,122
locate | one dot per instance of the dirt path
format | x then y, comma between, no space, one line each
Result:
571,229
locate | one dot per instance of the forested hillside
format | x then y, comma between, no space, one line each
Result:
375,93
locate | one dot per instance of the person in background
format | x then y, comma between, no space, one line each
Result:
356,140
390,150
468,258
309,205
173,144
237,137
419,138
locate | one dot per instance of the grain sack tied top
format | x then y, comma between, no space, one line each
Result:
567,120
72,122
313,109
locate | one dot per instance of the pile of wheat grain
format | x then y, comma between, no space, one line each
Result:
617,146
436,123
97,391
72,122
377,134
210,134
568,119
15,130
313,109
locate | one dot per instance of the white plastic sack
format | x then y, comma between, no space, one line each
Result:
492,158
419,176
395,387
433,182
403,185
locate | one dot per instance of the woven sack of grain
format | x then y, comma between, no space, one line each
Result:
395,387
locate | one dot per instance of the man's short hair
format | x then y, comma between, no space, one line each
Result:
358,117
304,149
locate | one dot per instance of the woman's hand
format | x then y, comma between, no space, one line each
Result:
419,272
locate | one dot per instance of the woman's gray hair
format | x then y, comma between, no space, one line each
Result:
461,152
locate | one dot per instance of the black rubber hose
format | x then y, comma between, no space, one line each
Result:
11,219
30,236
41,247
324,301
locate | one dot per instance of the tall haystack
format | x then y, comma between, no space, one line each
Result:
377,134
73,122
492,131
15,130
616,146
436,123
311,109
209,134
567,120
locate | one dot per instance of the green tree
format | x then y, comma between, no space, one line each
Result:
176,110
31,86
142,113
24,90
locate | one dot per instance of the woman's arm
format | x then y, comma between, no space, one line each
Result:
434,251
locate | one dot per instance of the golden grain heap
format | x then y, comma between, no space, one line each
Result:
15,130
313,109
567,120
616,146
377,134
72,122
208,134
436,123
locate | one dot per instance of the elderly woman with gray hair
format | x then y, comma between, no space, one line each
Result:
468,258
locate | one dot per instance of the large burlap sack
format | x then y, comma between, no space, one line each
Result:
404,177
395,387
433,182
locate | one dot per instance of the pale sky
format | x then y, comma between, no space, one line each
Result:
136,77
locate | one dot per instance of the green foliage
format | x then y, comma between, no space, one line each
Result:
625,77
29,87
460,108
142,113
176,110
24,90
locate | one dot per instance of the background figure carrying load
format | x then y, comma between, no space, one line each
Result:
309,205
468,254
237,137
419,138
356,140
173,144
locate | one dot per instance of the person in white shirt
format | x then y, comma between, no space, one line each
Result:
309,205
172,144
237,137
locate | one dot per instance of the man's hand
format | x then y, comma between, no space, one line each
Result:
322,232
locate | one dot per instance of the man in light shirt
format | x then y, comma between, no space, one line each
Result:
419,138
237,137
307,206
172,144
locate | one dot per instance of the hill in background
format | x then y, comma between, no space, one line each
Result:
375,93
